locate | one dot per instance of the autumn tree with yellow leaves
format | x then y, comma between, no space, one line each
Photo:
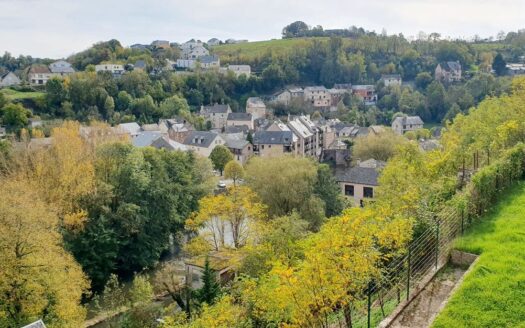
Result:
228,220
38,278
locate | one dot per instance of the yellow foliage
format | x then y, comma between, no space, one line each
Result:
38,278
231,216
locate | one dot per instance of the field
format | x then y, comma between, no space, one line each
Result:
493,294
252,51
17,95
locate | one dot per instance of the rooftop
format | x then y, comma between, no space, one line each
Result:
359,175
273,137
200,138
239,117
146,138
215,109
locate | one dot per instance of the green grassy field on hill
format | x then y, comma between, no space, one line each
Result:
253,51
18,95
493,293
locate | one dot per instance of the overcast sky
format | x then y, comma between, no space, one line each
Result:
58,28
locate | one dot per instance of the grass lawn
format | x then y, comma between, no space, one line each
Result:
251,51
15,95
493,294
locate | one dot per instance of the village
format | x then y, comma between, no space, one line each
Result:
199,182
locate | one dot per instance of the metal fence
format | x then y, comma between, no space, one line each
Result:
402,277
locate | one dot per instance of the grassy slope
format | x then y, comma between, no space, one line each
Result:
254,50
493,294
15,95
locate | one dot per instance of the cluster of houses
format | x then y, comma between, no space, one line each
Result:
38,74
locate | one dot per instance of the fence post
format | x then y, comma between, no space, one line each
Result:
408,271
462,221
437,242
369,304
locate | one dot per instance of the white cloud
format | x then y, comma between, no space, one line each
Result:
57,28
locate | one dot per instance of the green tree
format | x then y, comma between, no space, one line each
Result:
327,189
172,106
499,65
234,171
380,147
220,156
109,107
436,100
15,116
141,290
211,289
423,79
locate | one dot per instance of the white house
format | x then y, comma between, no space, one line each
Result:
114,69
39,74
391,79
9,79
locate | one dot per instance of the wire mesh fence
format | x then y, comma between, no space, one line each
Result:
428,252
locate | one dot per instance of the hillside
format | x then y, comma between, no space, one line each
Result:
492,294
251,50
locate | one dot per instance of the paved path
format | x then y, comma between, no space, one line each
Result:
422,310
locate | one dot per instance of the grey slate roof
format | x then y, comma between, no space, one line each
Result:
451,66
236,129
236,143
273,137
413,120
200,138
359,175
218,109
239,117
208,59
168,144
146,138
61,66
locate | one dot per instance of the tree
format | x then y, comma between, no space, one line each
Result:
328,190
436,100
499,65
210,289
295,29
15,116
233,170
109,107
38,279
380,147
284,183
171,279
423,79
220,156
172,106
141,290
228,220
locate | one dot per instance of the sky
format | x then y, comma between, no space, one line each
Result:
59,28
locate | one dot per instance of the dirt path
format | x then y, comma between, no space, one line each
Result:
422,310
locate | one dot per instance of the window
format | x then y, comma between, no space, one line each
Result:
262,146
269,146
368,192
349,190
